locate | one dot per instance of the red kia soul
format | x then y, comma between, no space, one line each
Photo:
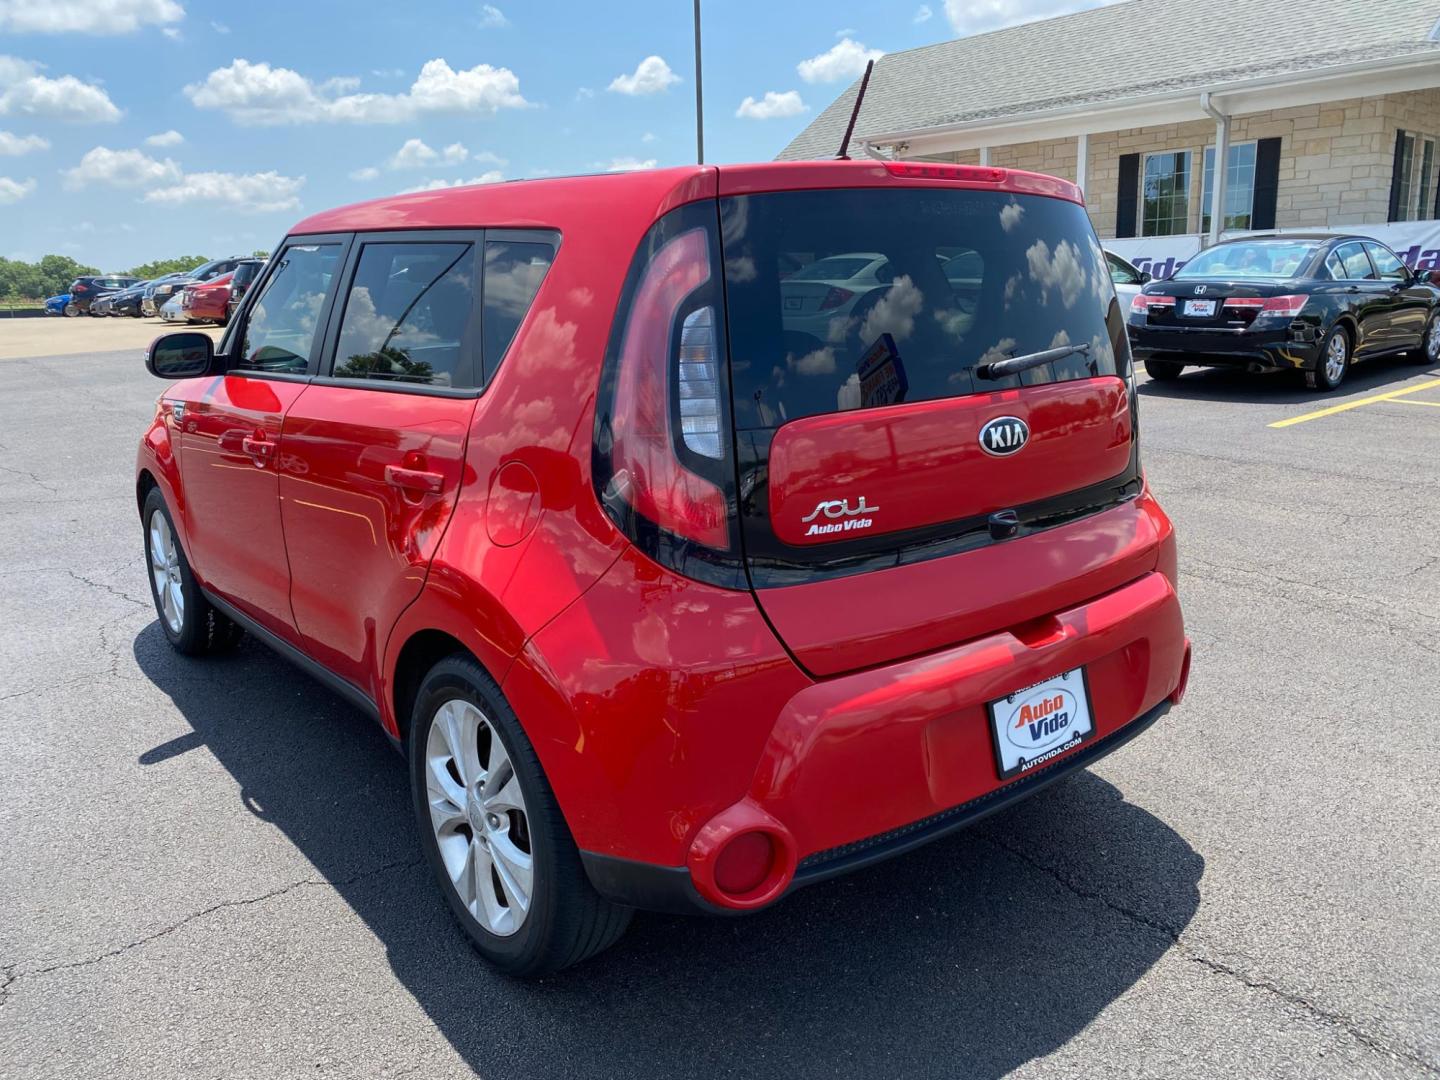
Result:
698,534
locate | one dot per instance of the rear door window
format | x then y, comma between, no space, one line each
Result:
409,315
1356,262
969,277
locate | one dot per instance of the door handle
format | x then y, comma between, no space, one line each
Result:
416,480
258,447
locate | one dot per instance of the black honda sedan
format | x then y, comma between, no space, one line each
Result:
1307,302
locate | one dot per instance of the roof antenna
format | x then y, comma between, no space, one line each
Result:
844,154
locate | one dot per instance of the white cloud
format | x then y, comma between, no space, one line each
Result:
923,14
977,16
774,105
173,33
251,193
652,77
120,168
648,137
25,92
369,172
18,145
628,164
491,16
91,17
846,32
219,27
492,176
845,60
165,138
166,182
584,93
1010,215
256,93
14,190
416,154
1063,271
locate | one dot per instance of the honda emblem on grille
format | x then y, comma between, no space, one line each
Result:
1003,436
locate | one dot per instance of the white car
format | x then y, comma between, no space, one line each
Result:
1128,280
171,311
829,288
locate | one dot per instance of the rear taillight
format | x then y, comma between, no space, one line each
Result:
1288,306
834,298
662,456
1143,303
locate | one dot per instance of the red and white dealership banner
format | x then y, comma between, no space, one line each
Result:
1416,242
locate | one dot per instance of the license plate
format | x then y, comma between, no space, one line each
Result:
1040,722
1202,308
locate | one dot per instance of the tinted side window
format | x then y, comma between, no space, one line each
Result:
282,323
1120,273
1391,268
408,315
1334,266
1357,265
513,273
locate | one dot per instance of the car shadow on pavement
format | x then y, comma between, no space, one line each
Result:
1285,387
966,958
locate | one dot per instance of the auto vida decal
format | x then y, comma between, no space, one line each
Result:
848,520
1003,436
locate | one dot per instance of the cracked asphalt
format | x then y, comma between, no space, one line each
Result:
208,869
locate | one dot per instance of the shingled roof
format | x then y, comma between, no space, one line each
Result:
1119,52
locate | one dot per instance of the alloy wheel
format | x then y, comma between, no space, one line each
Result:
165,572
1337,354
1432,341
478,815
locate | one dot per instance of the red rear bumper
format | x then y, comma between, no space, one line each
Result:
863,766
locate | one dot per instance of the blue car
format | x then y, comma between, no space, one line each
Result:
61,305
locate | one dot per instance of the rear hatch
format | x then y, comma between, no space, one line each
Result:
891,498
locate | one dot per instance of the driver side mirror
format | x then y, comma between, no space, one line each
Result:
1146,277
183,355
1427,277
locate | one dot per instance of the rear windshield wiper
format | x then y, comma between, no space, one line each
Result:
1013,365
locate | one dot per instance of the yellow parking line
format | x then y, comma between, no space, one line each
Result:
1412,401
1355,404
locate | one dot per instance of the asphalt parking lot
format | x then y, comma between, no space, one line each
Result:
208,867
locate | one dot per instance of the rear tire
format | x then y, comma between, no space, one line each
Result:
1332,363
71,310
480,791
190,622
1163,370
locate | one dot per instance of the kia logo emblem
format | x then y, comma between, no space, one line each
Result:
1003,436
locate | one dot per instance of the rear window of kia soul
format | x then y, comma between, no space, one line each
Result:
858,298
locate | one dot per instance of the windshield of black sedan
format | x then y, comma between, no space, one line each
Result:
1277,259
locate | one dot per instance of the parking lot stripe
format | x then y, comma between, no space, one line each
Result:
1412,401
1333,409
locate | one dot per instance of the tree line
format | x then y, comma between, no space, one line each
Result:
53,274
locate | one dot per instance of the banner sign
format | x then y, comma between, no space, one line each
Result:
1416,242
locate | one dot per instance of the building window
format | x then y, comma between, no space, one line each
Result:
1239,187
1425,181
1165,194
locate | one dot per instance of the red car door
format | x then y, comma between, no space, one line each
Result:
229,449
373,451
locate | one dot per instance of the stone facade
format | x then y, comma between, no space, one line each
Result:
1336,158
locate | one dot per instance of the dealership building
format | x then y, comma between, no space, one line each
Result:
1181,121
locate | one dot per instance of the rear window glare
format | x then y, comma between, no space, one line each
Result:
1274,259
860,298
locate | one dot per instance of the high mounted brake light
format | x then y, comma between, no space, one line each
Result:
1003,179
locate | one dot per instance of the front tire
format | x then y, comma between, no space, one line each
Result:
493,833
1163,370
1429,350
1332,363
191,624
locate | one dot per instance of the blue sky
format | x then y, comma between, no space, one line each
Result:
139,129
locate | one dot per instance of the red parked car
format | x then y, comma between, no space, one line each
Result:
207,301
675,596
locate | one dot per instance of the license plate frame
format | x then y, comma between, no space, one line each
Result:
1010,728
1200,309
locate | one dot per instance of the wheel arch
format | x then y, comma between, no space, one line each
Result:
421,651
